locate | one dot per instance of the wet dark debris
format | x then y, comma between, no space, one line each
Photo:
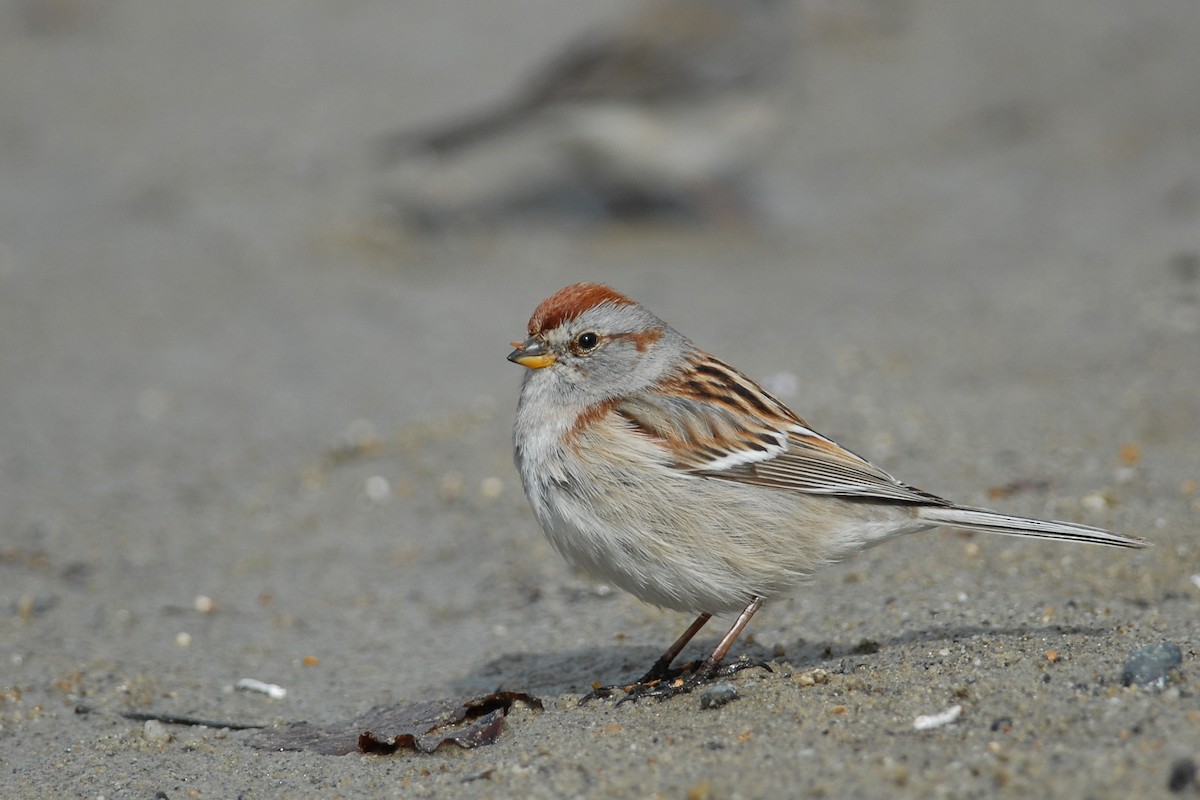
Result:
416,727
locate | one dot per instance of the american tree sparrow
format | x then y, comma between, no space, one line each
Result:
664,471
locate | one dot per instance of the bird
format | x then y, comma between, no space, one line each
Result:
679,99
666,472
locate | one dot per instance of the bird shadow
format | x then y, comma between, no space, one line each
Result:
578,671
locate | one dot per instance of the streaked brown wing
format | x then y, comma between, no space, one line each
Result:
720,424
813,464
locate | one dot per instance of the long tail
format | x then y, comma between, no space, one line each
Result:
980,519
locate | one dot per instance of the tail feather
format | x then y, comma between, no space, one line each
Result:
981,519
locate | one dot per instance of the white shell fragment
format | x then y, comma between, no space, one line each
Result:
271,690
927,722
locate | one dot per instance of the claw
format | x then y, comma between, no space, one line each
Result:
599,692
663,680
664,684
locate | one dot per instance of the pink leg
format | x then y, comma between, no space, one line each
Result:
662,667
713,661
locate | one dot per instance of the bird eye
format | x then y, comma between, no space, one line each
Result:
587,341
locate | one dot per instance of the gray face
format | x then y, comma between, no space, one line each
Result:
607,351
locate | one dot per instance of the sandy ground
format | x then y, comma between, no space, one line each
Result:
224,375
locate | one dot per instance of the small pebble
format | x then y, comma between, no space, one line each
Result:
204,604
155,732
812,677
1151,665
718,695
377,489
1183,775
1130,453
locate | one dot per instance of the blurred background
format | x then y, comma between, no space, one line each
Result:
255,256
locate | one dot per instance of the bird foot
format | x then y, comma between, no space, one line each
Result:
663,683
